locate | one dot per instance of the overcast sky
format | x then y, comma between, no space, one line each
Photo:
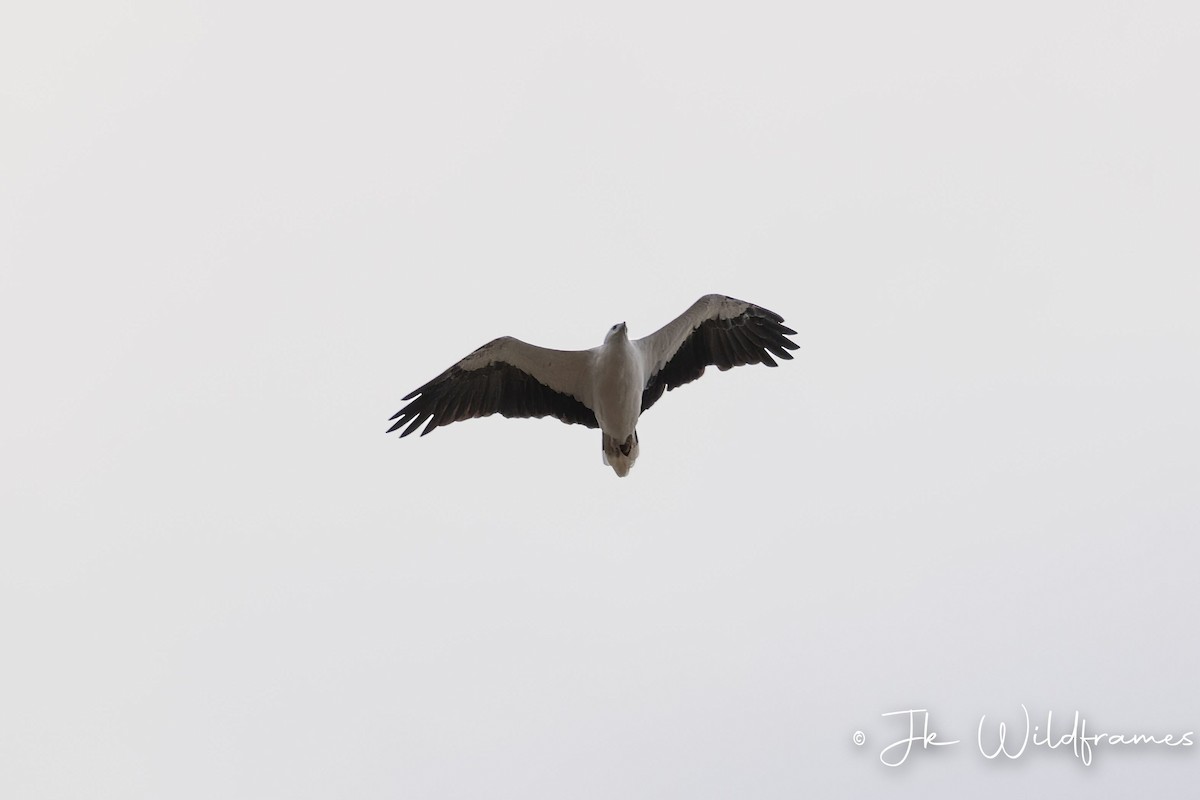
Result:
234,234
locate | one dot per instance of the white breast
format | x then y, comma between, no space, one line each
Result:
619,380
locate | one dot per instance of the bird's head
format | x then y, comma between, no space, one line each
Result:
617,331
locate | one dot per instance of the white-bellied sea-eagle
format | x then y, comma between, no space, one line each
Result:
607,387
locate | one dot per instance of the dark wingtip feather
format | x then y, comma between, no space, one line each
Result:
775,345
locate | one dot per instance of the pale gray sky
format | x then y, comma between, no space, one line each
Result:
234,235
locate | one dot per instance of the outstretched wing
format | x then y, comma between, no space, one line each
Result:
505,376
716,331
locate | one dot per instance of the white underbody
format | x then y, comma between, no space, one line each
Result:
619,378
618,373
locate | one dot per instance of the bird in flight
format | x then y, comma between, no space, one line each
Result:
607,387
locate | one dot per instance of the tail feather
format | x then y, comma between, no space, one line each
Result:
620,455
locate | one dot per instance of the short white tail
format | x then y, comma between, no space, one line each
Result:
620,456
